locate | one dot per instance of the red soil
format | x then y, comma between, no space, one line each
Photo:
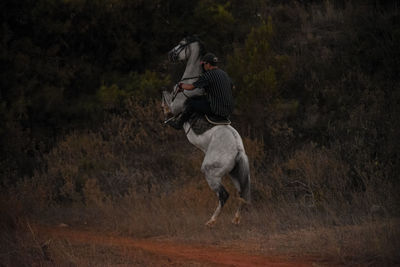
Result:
174,251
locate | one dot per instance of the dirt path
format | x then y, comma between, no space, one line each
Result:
176,253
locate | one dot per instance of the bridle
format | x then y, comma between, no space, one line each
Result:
174,53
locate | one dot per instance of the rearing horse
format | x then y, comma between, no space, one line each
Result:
222,144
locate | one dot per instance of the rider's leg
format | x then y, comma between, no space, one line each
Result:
197,104
200,104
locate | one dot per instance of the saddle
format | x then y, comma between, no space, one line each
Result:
200,123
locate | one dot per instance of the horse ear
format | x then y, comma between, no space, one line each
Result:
200,35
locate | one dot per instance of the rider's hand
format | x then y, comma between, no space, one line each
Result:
180,89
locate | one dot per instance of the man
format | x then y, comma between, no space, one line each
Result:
218,101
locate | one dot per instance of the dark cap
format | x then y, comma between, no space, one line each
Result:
210,58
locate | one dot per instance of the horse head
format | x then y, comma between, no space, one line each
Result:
187,47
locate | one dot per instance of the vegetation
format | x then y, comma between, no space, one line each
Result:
317,103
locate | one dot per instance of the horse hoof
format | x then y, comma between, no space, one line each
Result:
211,223
242,201
236,220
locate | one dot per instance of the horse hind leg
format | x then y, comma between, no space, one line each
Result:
218,161
223,195
240,176
236,219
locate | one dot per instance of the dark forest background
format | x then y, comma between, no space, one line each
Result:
325,72
317,100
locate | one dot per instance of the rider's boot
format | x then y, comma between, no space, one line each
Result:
178,122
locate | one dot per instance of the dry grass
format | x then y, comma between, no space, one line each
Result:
303,204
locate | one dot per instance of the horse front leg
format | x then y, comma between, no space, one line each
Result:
166,104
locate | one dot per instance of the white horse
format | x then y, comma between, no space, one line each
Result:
222,144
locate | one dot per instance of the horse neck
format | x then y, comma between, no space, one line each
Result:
193,67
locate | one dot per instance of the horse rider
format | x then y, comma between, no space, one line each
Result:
218,102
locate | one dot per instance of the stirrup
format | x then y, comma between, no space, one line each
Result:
174,122
168,120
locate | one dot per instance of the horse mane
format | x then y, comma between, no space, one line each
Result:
195,38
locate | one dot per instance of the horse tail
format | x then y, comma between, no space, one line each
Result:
242,174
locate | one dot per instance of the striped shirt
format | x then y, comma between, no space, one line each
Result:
218,87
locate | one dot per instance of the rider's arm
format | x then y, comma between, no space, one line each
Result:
202,82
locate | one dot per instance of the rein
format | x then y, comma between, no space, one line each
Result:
188,78
176,91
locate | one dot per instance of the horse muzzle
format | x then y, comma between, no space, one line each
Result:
172,56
